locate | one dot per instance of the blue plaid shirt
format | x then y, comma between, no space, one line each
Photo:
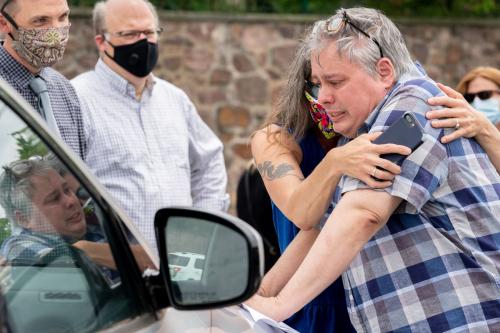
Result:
434,266
29,248
35,248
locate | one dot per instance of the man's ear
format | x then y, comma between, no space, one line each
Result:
100,42
5,26
22,219
385,70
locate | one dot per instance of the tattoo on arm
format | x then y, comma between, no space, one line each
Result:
268,170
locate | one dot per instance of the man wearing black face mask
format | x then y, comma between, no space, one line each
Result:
147,144
36,33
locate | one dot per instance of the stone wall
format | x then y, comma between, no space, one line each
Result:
233,67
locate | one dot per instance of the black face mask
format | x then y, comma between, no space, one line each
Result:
138,58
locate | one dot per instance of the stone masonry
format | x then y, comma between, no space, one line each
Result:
233,67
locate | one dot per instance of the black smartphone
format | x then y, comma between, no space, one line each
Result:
405,131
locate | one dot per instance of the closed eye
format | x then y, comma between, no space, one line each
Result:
52,197
40,20
335,83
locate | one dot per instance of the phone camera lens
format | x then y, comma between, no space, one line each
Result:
409,120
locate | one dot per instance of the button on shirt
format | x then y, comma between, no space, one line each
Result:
435,265
63,98
150,153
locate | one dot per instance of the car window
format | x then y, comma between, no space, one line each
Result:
58,272
176,260
199,263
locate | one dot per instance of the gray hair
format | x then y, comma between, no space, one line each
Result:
291,111
16,191
357,47
55,163
99,16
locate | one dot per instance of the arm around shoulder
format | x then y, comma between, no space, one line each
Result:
278,157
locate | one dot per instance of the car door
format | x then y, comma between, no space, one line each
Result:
59,237
70,260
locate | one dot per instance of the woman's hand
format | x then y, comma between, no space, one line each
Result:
361,159
457,113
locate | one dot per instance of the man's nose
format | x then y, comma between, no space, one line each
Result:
70,199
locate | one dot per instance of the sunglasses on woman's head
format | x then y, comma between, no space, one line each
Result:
485,94
21,167
333,26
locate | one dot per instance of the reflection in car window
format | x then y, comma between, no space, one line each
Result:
58,271
174,259
217,269
199,263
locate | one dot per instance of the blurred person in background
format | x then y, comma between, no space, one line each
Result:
475,114
253,205
481,88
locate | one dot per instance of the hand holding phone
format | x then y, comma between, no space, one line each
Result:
405,131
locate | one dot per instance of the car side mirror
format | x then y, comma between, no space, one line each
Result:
207,259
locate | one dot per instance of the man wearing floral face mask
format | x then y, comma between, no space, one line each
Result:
36,33
147,144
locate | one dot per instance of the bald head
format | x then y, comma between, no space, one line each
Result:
111,14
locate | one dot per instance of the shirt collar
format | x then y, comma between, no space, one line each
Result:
416,71
46,237
118,82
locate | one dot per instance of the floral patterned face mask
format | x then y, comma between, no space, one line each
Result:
319,116
40,47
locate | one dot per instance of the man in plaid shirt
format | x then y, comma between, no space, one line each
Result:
39,200
422,255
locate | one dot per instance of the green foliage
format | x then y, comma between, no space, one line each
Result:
28,144
393,8
4,229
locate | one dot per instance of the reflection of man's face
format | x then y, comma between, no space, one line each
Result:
55,207
74,186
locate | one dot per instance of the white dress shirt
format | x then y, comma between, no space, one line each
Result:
149,153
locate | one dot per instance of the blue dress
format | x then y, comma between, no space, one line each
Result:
326,313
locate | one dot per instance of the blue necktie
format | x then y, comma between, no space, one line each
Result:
39,87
